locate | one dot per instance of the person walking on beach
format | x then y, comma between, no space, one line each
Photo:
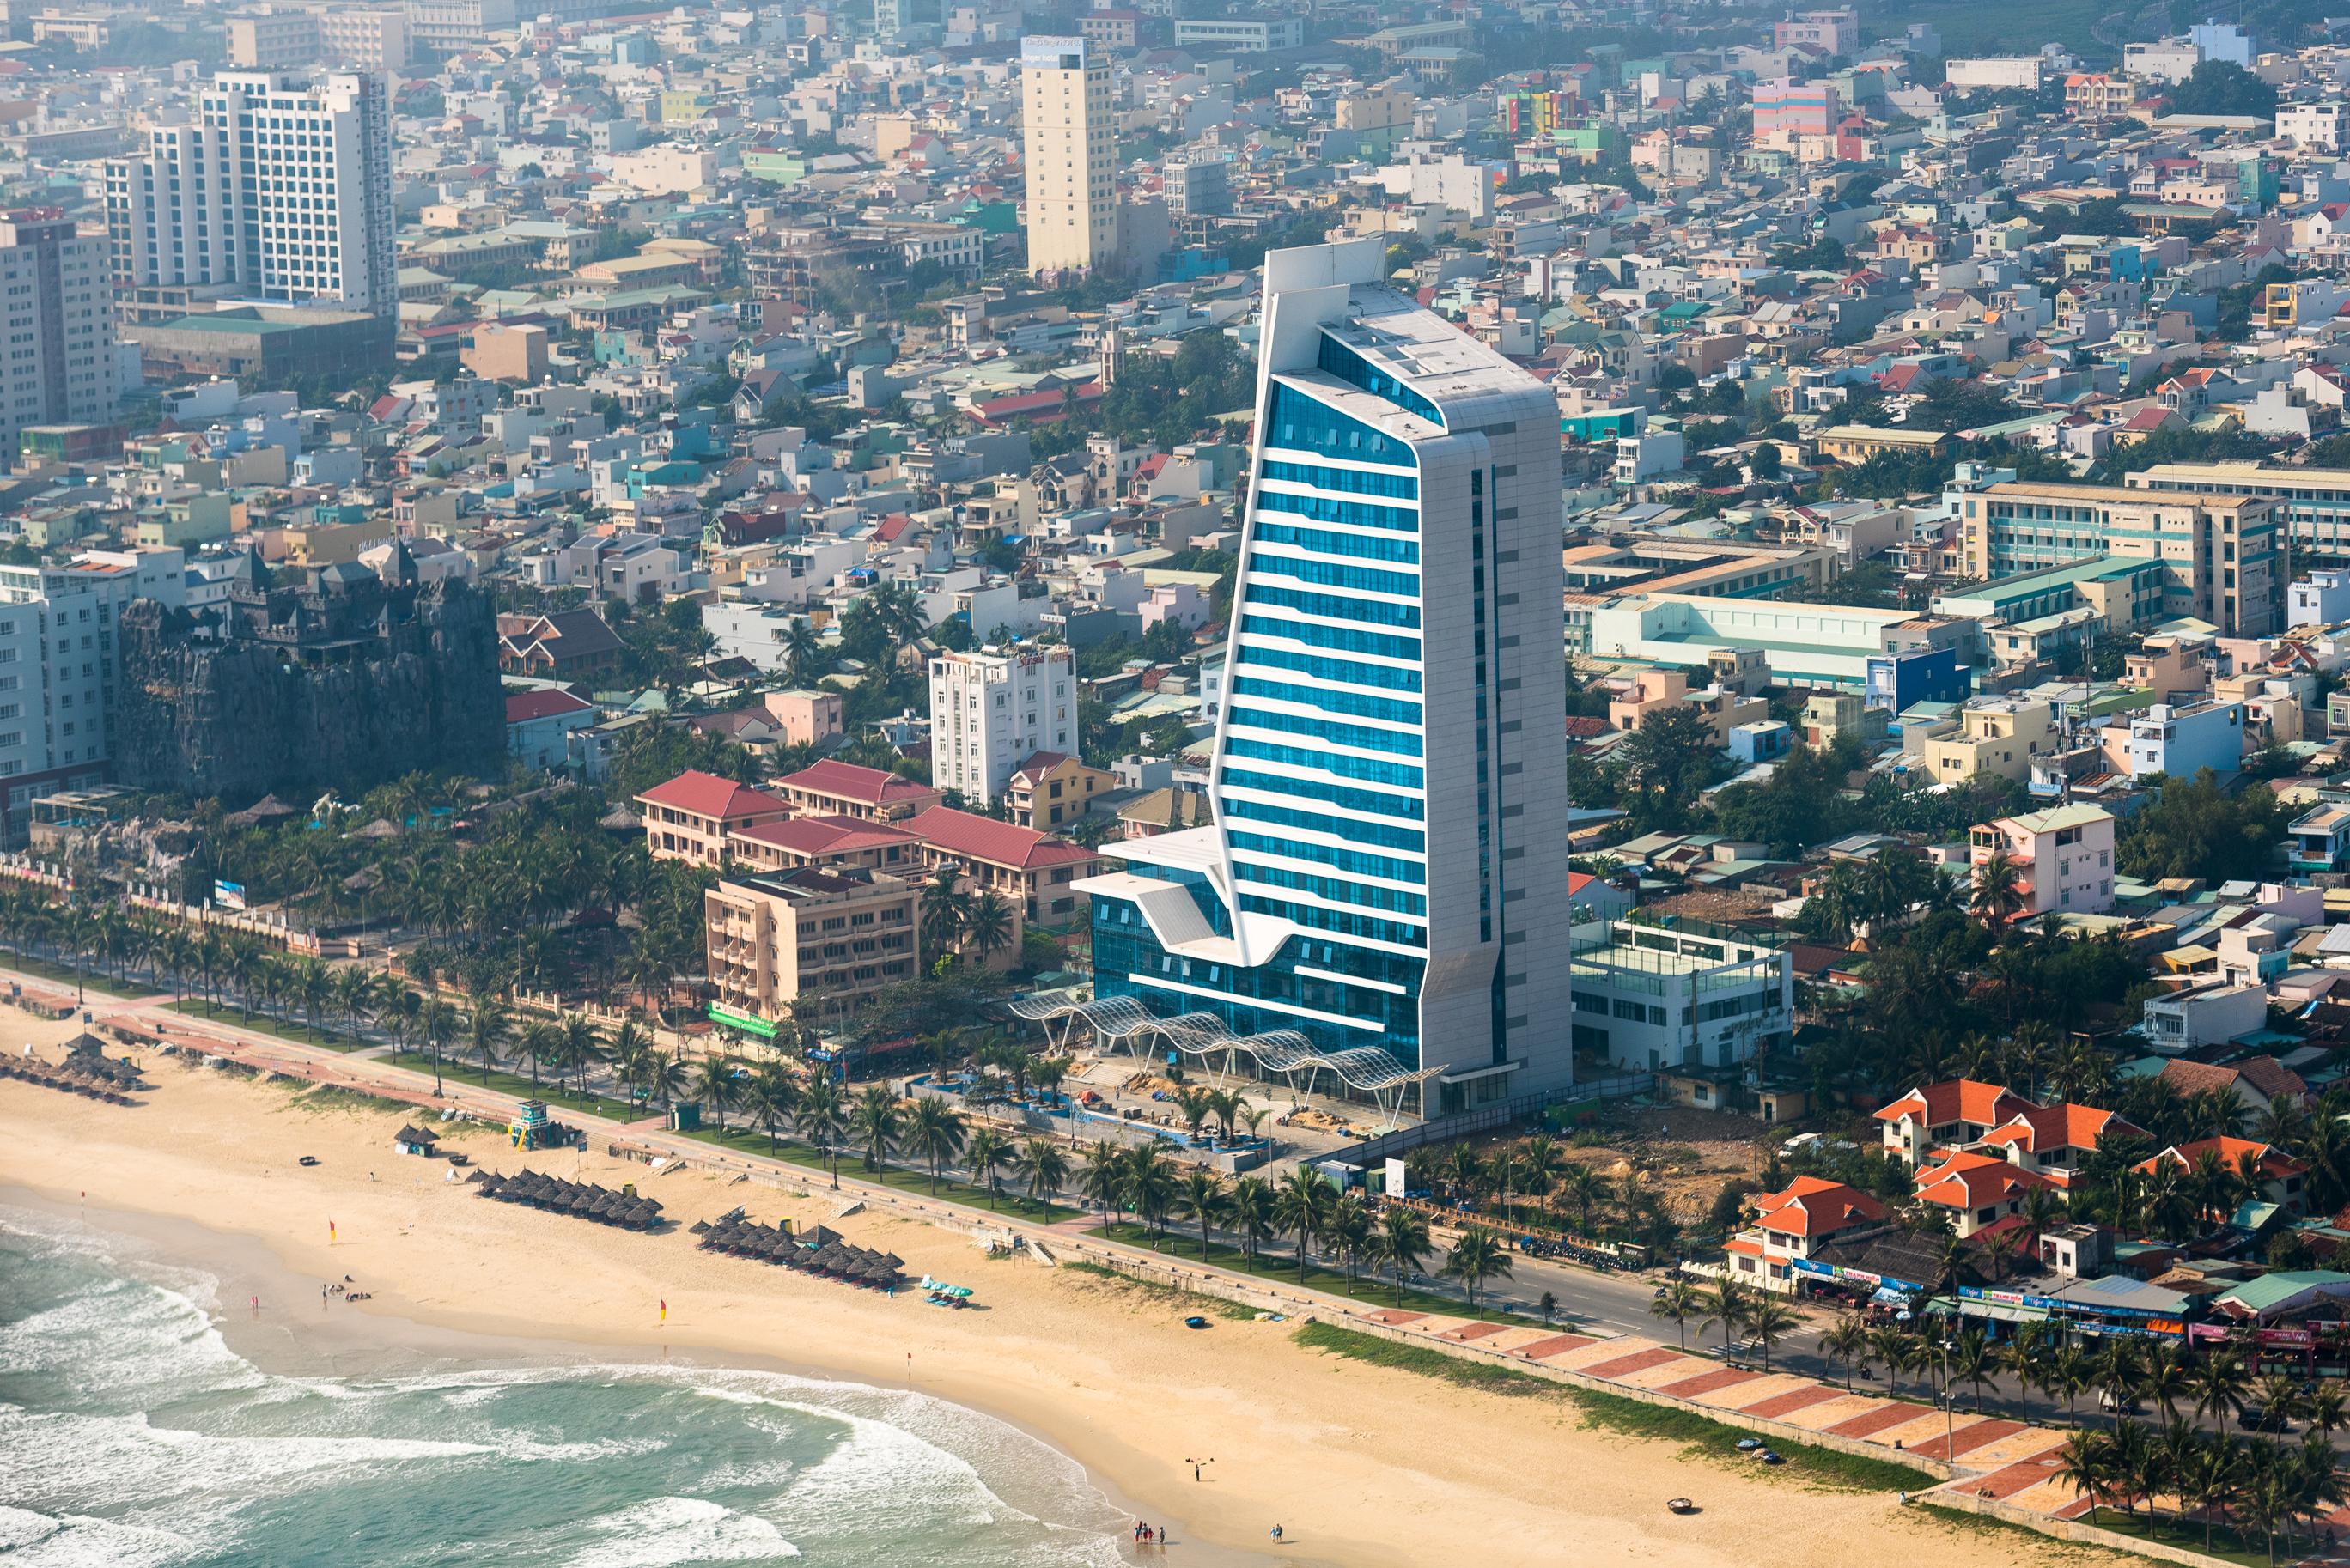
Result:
1276,1535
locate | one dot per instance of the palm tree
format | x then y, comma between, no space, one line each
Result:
876,1124
2136,1465
937,1130
2088,1466
1897,1348
943,910
1348,1230
989,1152
1464,1173
1998,895
1973,1360
987,928
1847,1343
539,1042
1476,1257
486,1033
771,1097
2318,1477
2118,1370
716,1085
1540,1160
1103,1177
2067,1372
1043,1169
1203,1200
584,1049
1151,1187
1194,1104
822,1118
1770,1320
354,989
1728,1307
2206,1476
1303,1206
436,1023
663,1076
2269,1496
2220,1384
2280,1400
1583,1187
1676,1301
2324,1408
1250,1206
2166,1379
1402,1242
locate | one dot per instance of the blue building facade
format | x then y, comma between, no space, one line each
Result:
1386,863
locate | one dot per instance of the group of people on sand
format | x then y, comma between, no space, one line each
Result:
1149,1534
329,1292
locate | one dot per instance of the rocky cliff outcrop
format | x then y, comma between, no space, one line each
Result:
339,684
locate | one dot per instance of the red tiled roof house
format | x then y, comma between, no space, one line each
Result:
689,818
1795,1223
1945,1114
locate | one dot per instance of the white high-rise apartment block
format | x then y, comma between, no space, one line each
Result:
56,314
279,188
1069,154
58,666
992,710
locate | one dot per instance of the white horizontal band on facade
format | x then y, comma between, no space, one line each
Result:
1161,983
1390,987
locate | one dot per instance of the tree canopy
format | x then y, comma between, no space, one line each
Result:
2192,827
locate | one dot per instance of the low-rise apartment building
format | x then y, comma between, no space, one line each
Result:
843,789
2223,555
1031,870
814,939
690,817
2064,859
1646,998
1998,735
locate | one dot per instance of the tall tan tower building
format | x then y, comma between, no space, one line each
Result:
1065,111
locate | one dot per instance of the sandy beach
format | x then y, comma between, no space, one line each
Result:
1360,1465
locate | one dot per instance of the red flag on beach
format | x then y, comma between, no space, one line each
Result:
664,1309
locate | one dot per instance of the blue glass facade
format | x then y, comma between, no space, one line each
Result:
1259,998
1354,890
1359,704
1357,481
1297,421
1401,743
1339,638
1354,672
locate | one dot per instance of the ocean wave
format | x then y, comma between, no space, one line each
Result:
125,1325
30,1540
663,1531
217,1453
62,1454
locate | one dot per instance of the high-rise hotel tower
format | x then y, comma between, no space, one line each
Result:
1384,883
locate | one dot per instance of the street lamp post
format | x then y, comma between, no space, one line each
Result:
1948,1439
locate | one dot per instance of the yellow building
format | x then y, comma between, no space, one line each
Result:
1050,790
1068,151
820,937
1858,443
1994,736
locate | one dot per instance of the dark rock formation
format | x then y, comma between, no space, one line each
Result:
339,683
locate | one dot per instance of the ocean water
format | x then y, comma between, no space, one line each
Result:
132,1435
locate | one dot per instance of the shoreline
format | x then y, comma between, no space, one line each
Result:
1362,1465
353,1341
